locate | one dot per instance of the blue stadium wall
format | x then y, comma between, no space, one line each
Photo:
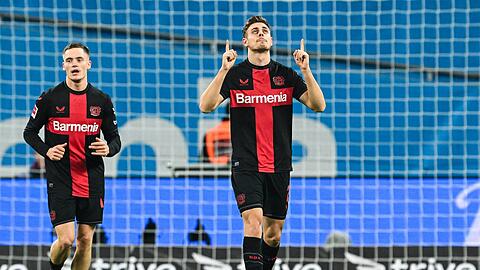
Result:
372,212
386,122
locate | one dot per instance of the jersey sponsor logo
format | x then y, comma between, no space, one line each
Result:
241,98
60,109
34,111
73,127
243,82
95,110
279,80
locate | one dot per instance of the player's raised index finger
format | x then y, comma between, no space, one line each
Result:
302,44
227,46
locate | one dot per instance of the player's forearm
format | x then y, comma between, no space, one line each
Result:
114,145
209,100
316,100
32,138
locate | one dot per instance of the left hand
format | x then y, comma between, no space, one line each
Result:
301,57
100,147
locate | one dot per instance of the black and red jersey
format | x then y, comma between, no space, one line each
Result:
75,118
261,115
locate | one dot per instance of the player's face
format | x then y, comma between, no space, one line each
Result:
76,62
258,37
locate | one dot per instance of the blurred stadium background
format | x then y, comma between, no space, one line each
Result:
390,168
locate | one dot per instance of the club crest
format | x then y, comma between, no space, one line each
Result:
279,80
95,110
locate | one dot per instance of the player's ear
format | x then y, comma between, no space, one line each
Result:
63,65
244,41
89,64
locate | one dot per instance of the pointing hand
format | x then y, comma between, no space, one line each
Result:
229,57
301,57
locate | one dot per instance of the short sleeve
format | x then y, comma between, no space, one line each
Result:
225,90
299,85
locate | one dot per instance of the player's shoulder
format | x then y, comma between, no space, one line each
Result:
281,67
53,91
97,92
239,66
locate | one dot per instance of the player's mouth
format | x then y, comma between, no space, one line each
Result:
75,71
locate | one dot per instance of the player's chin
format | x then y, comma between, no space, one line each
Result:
76,78
261,49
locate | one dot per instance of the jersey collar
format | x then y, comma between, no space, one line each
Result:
77,92
257,67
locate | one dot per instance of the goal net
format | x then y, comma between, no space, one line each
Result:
385,178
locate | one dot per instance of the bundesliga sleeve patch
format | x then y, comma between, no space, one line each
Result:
34,111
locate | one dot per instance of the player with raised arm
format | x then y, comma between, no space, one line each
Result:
261,93
73,113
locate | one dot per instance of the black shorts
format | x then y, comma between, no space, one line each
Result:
269,191
85,210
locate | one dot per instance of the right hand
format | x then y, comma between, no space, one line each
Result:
56,153
229,57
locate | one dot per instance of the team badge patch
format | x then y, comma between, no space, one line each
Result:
279,80
241,199
95,110
34,111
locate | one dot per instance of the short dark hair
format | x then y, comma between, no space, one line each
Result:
252,20
76,45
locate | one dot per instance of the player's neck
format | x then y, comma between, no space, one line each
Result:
259,59
80,86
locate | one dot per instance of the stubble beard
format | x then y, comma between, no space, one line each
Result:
260,50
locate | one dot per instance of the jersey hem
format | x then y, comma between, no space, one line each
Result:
275,217
248,207
63,222
90,222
